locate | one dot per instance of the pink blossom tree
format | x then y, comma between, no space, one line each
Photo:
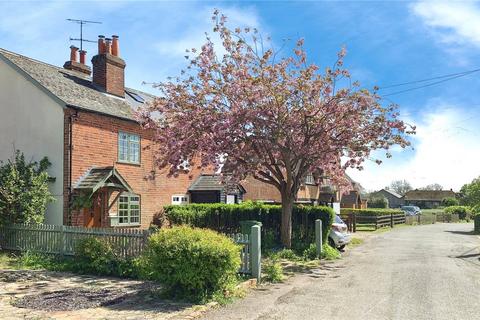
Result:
276,118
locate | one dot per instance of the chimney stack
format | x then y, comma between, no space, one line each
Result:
73,63
108,67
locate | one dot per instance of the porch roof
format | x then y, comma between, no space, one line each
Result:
105,177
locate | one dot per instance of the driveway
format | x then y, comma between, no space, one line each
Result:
421,272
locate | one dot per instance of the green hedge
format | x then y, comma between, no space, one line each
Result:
225,218
464,213
191,263
371,212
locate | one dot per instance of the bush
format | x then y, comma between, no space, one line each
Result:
273,271
192,263
378,202
450,202
464,213
371,212
328,252
93,255
225,218
24,193
287,254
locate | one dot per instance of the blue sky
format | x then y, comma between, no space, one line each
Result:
387,43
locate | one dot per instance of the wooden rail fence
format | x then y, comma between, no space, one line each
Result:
378,221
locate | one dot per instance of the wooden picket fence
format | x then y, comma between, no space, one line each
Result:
64,239
250,254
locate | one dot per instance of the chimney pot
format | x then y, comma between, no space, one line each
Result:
115,46
101,44
73,53
108,45
83,54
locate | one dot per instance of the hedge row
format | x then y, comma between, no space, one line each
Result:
463,212
225,218
371,212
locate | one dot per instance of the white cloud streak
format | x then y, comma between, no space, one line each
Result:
452,22
447,151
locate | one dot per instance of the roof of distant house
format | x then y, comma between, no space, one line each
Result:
213,182
76,89
429,195
393,193
351,198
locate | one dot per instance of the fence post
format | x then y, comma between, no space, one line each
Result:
354,221
391,220
419,222
256,252
64,240
318,237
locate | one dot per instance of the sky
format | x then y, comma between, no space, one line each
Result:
388,43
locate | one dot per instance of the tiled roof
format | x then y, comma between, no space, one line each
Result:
97,178
213,182
351,198
429,195
393,193
74,88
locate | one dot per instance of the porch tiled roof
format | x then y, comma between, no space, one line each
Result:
97,178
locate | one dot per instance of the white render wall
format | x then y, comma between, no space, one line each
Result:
32,122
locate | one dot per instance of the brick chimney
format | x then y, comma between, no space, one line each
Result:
73,63
108,67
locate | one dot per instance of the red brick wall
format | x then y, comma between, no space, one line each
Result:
95,144
109,73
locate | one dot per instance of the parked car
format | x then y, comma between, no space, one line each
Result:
339,236
411,210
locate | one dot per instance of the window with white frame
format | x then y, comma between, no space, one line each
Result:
309,179
129,209
128,147
180,199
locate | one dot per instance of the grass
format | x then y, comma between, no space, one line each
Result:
355,242
9,261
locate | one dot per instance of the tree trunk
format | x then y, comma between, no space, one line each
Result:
286,227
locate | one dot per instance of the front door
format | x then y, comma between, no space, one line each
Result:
93,215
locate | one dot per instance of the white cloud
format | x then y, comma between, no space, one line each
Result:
453,22
447,151
193,35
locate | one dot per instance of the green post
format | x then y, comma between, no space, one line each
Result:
256,252
318,237
476,223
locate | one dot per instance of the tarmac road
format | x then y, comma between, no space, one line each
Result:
421,272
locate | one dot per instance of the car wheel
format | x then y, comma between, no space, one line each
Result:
341,248
331,243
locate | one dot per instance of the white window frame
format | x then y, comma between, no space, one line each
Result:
183,199
310,179
131,151
128,212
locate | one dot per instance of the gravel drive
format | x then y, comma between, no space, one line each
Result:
421,272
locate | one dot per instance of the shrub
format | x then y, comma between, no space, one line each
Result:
192,263
464,213
225,218
330,253
273,271
24,193
450,202
378,202
95,256
287,254
371,212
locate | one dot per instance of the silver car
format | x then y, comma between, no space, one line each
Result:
339,236
411,210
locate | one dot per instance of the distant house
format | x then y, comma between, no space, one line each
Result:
394,199
209,188
427,199
355,198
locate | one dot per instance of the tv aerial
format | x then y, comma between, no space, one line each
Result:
81,23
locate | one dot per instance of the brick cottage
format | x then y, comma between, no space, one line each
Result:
82,119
